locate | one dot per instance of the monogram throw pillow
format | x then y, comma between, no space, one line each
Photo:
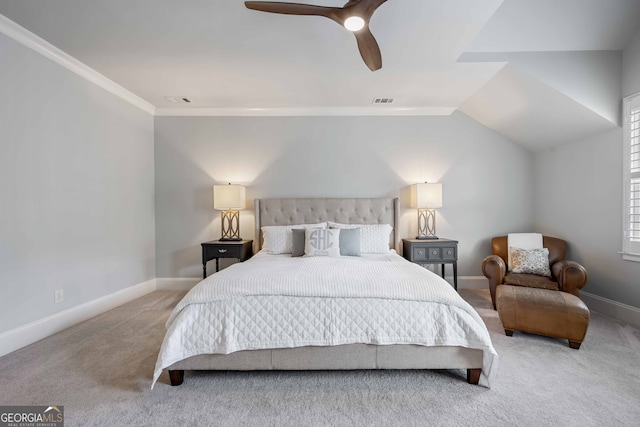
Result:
298,242
322,242
278,238
534,261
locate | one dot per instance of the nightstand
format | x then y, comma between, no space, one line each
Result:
216,249
437,251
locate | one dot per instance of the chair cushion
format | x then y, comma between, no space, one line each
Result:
530,281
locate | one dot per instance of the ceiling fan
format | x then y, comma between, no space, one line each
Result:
354,16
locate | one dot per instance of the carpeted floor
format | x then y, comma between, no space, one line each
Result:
101,369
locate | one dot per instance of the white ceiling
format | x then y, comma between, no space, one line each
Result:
559,25
515,105
225,57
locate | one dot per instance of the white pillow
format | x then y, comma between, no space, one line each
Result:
322,242
278,238
374,238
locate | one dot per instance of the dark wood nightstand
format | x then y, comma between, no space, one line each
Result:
437,251
216,249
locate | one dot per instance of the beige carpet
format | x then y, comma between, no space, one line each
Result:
101,369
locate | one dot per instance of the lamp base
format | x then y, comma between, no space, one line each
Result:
230,239
426,224
230,225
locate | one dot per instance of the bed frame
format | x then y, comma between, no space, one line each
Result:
342,357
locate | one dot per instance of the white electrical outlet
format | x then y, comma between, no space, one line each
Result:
58,296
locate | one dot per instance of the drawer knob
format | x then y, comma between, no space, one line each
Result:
449,252
222,251
420,252
434,253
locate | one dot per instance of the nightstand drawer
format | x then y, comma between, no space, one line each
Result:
434,254
449,253
419,254
226,251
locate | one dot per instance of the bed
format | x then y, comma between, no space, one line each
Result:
277,312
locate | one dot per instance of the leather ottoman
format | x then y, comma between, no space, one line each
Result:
544,312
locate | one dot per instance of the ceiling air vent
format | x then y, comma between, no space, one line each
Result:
178,99
382,100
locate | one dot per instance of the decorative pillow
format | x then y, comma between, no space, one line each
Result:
322,242
526,241
533,261
350,242
374,238
278,238
297,242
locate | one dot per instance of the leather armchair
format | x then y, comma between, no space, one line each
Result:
567,276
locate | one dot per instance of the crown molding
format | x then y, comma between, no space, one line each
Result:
306,111
46,49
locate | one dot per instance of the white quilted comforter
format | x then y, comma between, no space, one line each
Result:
276,301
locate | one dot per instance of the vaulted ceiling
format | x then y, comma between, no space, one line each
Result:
540,72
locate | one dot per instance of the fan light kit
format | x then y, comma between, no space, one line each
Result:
354,16
354,23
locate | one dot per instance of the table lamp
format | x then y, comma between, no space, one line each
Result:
426,198
229,199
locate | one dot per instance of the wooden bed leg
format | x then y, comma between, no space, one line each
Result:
508,332
176,377
473,376
574,344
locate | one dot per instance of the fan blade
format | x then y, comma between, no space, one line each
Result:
291,8
364,8
374,3
369,49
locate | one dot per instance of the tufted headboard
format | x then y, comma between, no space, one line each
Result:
346,211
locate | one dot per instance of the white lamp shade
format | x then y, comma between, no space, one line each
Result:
427,196
230,196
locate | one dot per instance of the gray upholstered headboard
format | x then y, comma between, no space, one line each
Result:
346,211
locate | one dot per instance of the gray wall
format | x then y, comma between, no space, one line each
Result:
76,189
579,198
631,67
488,181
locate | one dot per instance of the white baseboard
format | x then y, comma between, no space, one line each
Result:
27,334
176,283
622,312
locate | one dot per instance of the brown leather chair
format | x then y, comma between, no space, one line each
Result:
538,304
567,276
